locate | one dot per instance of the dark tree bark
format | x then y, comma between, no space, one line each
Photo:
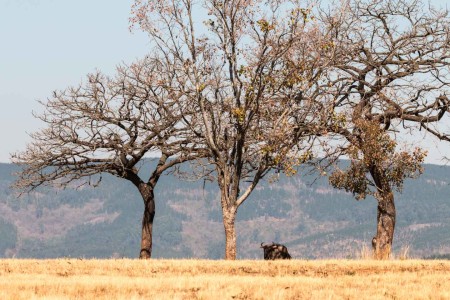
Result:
386,215
147,221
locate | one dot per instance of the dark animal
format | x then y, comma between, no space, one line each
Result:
275,251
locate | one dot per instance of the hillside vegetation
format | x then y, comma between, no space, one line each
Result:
202,279
311,218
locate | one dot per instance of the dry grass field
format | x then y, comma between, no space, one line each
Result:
203,279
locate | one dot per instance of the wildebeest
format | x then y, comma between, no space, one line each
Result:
275,251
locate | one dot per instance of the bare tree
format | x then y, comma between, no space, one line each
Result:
235,62
108,125
389,79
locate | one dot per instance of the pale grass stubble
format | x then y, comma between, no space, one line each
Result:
205,279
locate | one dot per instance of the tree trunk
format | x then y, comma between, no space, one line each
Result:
229,218
382,242
147,221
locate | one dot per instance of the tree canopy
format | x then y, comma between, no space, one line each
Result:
253,86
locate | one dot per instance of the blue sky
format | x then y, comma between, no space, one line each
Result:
51,44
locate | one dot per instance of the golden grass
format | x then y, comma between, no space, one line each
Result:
203,279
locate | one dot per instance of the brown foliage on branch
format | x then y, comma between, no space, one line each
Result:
378,149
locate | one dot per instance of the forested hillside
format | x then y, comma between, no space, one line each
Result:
311,218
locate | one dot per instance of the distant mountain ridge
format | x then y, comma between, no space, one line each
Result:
312,220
